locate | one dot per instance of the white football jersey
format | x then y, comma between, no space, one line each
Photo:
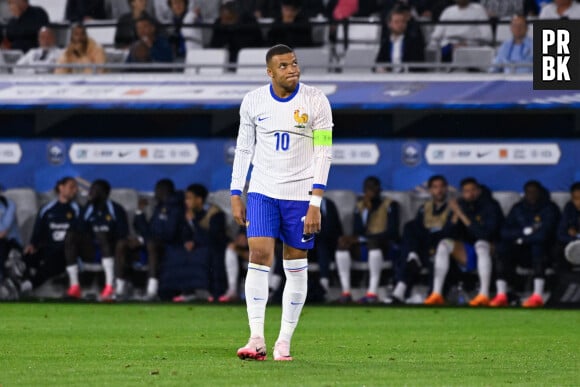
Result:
278,134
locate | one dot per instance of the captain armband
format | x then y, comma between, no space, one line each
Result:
322,137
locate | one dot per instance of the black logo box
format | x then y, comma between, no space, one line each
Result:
573,27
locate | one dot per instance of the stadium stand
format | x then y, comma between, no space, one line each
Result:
251,61
207,61
55,9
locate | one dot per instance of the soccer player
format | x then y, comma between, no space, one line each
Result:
286,133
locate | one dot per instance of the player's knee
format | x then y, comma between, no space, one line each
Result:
261,256
482,247
445,247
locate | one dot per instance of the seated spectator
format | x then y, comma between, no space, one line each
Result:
310,8
85,10
518,49
376,229
291,27
398,46
101,225
164,13
183,38
117,8
505,8
9,231
430,9
44,255
82,50
126,32
21,32
150,47
526,239
206,225
421,237
235,31
44,56
447,37
163,228
567,253
477,220
561,9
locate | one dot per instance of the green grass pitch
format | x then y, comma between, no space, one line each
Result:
45,344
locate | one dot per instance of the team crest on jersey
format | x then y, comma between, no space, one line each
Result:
301,119
69,215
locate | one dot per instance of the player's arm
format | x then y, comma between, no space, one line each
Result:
322,142
245,146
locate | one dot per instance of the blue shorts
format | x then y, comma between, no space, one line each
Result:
276,218
471,256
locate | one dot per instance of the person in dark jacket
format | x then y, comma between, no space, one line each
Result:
568,235
526,238
163,228
477,220
421,237
21,32
376,229
85,10
44,255
291,27
400,45
126,32
102,223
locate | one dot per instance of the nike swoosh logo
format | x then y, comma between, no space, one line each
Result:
296,303
260,119
258,299
482,154
308,239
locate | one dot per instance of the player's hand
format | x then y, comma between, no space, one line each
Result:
312,221
572,232
189,245
30,249
238,210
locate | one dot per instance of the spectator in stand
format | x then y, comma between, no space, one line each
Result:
568,246
101,225
44,56
505,8
448,37
9,231
164,13
561,9
85,10
82,50
477,221
398,47
182,38
117,8
421,237
21,32
151,47
44,255
291,26
518,49
163,228
126,33
206,225
527,236
310,8
376,229
235,31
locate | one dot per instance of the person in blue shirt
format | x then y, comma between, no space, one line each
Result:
9,231
518,49
151,46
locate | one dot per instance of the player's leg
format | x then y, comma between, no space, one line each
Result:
232,272
155,250
445,249
263,225
76,244
106,244
295,265
375,261
121,260
503,269
538,257
483,257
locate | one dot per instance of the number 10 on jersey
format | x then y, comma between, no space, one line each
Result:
282,141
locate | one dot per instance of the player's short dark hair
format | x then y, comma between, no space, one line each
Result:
166,184
279,49
198,190
62,181
434,178
575,187
533,183
372,180
104,185
469,180
186,2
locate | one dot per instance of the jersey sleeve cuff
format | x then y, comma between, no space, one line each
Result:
319,186
235,192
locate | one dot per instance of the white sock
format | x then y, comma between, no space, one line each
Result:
343,264
483,266
441,264
539,286
325,283
109,268
375,269
501,286
413,256
294,296
256,289
400,290
73,274
232,270
119,286
152,286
